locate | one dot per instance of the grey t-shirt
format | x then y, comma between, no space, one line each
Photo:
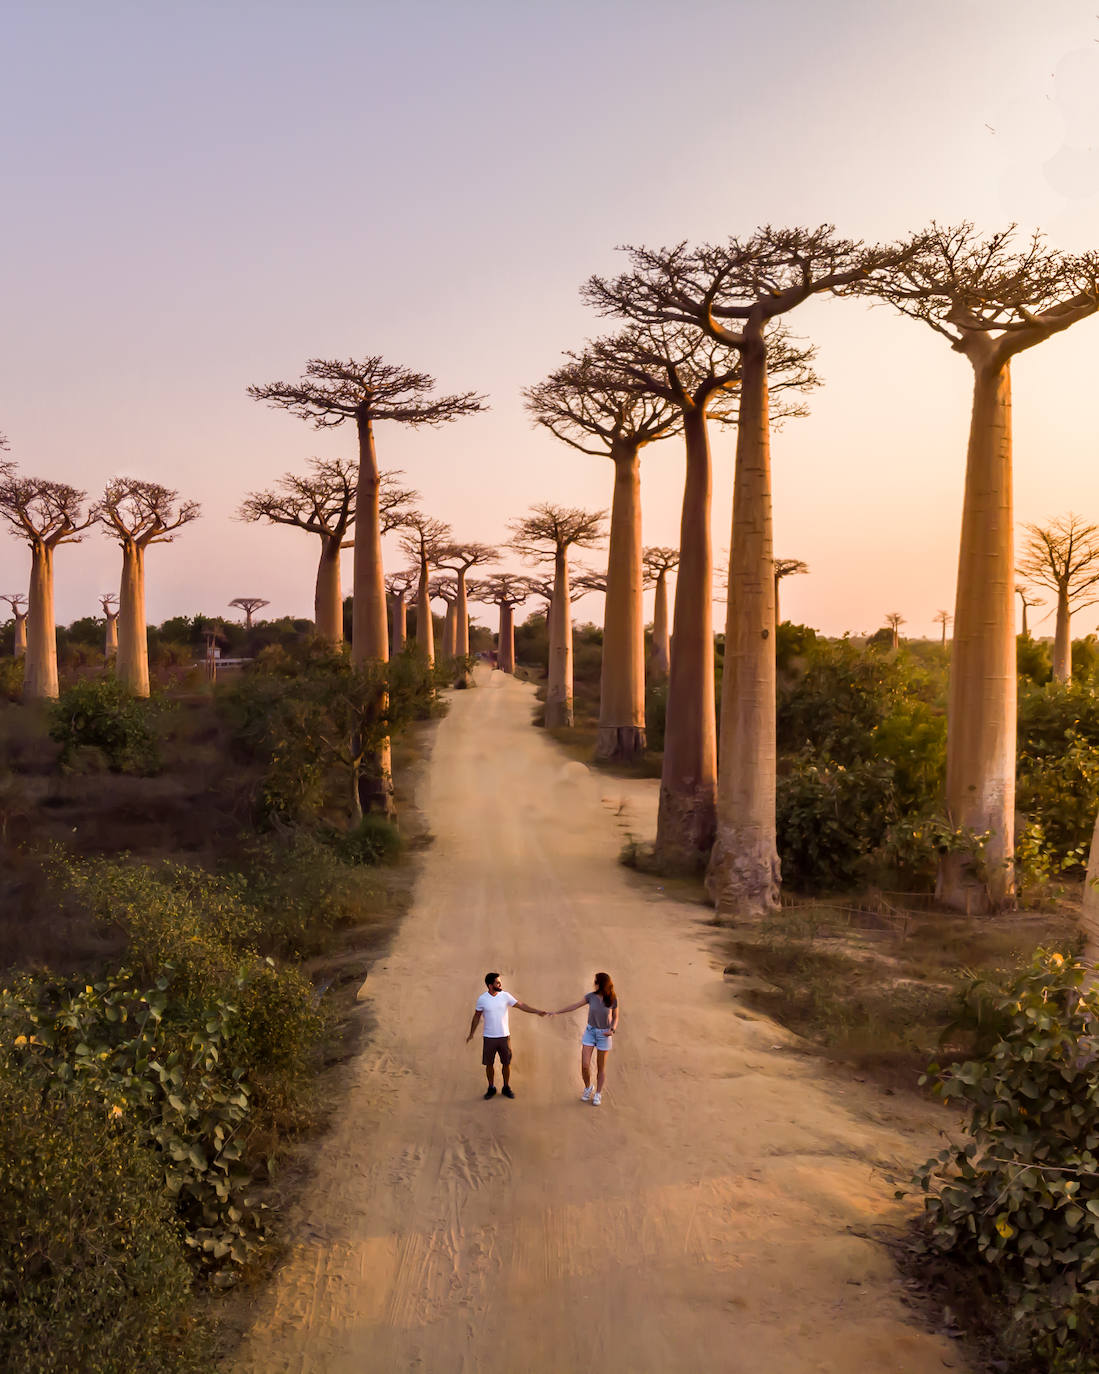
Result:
599,1015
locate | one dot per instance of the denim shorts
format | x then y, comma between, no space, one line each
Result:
594,1036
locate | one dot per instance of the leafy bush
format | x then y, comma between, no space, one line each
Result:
92,1272
656,714
1022,1197
11,679
375,840
830,818
99,714
1058,765
1033,661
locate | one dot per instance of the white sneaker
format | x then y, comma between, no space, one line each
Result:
585,1096
597,1099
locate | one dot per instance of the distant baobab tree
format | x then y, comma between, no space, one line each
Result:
44,515
322,501
786,567
505,590
424,540
547,534
658,562
460,559
108,601
593,404
943,618
1028,599
249,605
990,301
397,586
895,620
1064,556
138,514
445,589
16,600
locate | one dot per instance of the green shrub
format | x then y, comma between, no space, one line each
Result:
375,840
11,679
656,715
92,1270
830,819
1021,1198
1058,766
100,715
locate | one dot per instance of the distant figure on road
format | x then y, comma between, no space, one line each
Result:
602,1005
493,1007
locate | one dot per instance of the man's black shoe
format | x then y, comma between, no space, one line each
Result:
492,1091
507,1092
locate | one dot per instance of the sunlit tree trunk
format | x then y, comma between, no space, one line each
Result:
688,783
425,629
20,631
40,668
980,755
505,642
461,618
660,656
328,601
621,732
450,634
133,640
1062,639
398,623
743,875
369,631
110,639
559,687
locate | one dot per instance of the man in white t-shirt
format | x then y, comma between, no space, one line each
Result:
493,1006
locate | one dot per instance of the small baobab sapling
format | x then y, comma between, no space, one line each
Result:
894,620
424,540
658,563
1028,599
45,515
397,587
109,603
1064,556
990,300
17,602
943,618
786,567
138,514
546,535
249,605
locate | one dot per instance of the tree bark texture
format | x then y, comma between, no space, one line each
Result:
981,719
660,657
369,631
133,640
743,875
1062,639
328,601
505,640
559,686
621,731
20,632
40,668
688,782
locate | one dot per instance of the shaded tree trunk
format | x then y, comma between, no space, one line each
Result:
1062,639
20,633
133,639
461,618
505,640
328,601
398,623
40,668
1026,632
688,782
450,633
743,874
559,686
621,732
660,657
981,719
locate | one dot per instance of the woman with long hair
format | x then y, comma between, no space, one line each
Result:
602,1005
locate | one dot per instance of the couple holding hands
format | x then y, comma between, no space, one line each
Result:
492,1008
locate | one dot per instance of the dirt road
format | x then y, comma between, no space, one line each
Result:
713,1213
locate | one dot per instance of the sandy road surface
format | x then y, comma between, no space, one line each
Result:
708,1215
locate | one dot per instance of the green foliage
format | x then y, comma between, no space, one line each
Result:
1058,766
98,716
1085,659
830,817
793,644
92,1270
11,678
375,840
1022,1196
656,714
1033,662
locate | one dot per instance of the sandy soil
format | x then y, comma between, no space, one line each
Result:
716,1212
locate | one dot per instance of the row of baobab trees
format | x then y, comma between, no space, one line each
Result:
701,341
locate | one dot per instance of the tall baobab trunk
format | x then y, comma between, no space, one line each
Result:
425,630
505,642
1026,632
328,601
980,751
743,875
661,650
133,640
461,618
688,782
20,631
369,630
110,638
621,732
1062,638
40,669
559,686
398,623
450,631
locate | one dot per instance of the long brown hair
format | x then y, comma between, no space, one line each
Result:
604,984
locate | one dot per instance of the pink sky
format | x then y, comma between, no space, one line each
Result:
201,196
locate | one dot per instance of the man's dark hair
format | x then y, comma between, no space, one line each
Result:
490,978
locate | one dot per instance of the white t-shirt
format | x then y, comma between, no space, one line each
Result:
495,1012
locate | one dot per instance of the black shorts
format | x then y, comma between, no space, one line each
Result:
496,1045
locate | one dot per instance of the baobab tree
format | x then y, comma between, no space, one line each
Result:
658,562
459,559
445,589
424,540
249,605
505,590
990,301
397,586
1028,599
44,515
786,567
138,514
595,406
943,618
322,502
894,620
546,535
16,600
1064,556
108,601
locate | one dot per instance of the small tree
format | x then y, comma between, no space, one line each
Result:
943,618
1027,597
424,540
895,620
44,515
786,567
108,601
249,605
138,514
1063,556
17,602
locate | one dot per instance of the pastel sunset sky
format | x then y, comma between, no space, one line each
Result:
201,196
